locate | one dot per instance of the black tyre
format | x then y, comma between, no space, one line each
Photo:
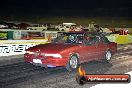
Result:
81,80
73,63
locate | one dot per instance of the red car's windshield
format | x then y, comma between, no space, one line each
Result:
69,38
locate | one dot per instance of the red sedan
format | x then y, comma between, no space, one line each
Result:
71,49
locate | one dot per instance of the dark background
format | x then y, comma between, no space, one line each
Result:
66,8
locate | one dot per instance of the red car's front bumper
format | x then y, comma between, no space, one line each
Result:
47,61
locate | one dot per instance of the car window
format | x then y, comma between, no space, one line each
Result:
90,39
67,27
69,38
99,39
75,38
104,39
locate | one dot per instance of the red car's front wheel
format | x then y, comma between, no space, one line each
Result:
73,63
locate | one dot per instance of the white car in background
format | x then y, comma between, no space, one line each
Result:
65,26
37,27
3,26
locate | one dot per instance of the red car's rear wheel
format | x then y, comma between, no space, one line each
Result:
108,56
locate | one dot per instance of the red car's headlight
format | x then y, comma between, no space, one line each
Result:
54,55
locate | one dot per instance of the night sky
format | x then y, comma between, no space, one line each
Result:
66,7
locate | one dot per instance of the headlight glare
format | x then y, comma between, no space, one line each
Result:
29,52
54,55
